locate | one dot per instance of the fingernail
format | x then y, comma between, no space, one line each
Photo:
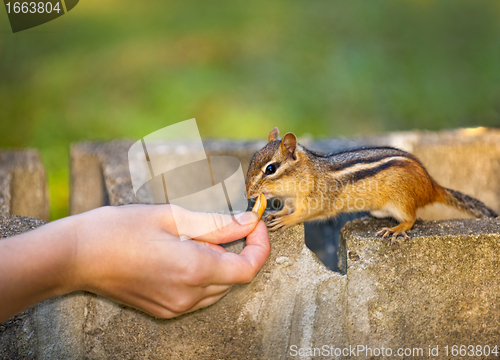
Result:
247,218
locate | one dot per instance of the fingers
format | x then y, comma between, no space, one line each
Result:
211,227
233,268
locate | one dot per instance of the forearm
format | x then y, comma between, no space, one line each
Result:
46,255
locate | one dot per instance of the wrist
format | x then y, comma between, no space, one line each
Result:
35,266
63,241
88,240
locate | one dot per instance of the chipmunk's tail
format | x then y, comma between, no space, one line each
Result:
466,203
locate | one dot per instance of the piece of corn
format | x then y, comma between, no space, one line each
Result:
260,205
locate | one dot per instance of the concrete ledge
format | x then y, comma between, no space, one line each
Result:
23,184
439,288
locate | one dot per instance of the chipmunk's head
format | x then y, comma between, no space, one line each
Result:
272,168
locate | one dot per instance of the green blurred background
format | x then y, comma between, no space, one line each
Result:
113,69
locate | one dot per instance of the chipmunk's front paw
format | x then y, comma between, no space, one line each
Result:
277,223
271,216
281,222
277,214
385,232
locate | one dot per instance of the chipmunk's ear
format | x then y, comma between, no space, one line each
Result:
289,145
274,134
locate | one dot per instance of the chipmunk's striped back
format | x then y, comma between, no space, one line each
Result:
362,163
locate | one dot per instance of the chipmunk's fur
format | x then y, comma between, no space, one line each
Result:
382,180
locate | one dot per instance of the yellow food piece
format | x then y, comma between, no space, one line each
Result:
260,205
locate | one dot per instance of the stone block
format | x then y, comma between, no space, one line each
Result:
87,182
100,172
23,184
439,288
467,160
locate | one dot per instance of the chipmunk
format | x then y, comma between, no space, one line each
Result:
385,181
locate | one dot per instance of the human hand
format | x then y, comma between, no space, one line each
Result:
133,254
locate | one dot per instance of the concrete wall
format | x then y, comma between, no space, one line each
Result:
100,172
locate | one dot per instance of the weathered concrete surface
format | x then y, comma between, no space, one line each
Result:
18,334
439,288
464,160
100,172
23,184
87,182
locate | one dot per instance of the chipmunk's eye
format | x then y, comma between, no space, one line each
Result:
270,169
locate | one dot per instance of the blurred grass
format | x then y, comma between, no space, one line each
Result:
327,68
